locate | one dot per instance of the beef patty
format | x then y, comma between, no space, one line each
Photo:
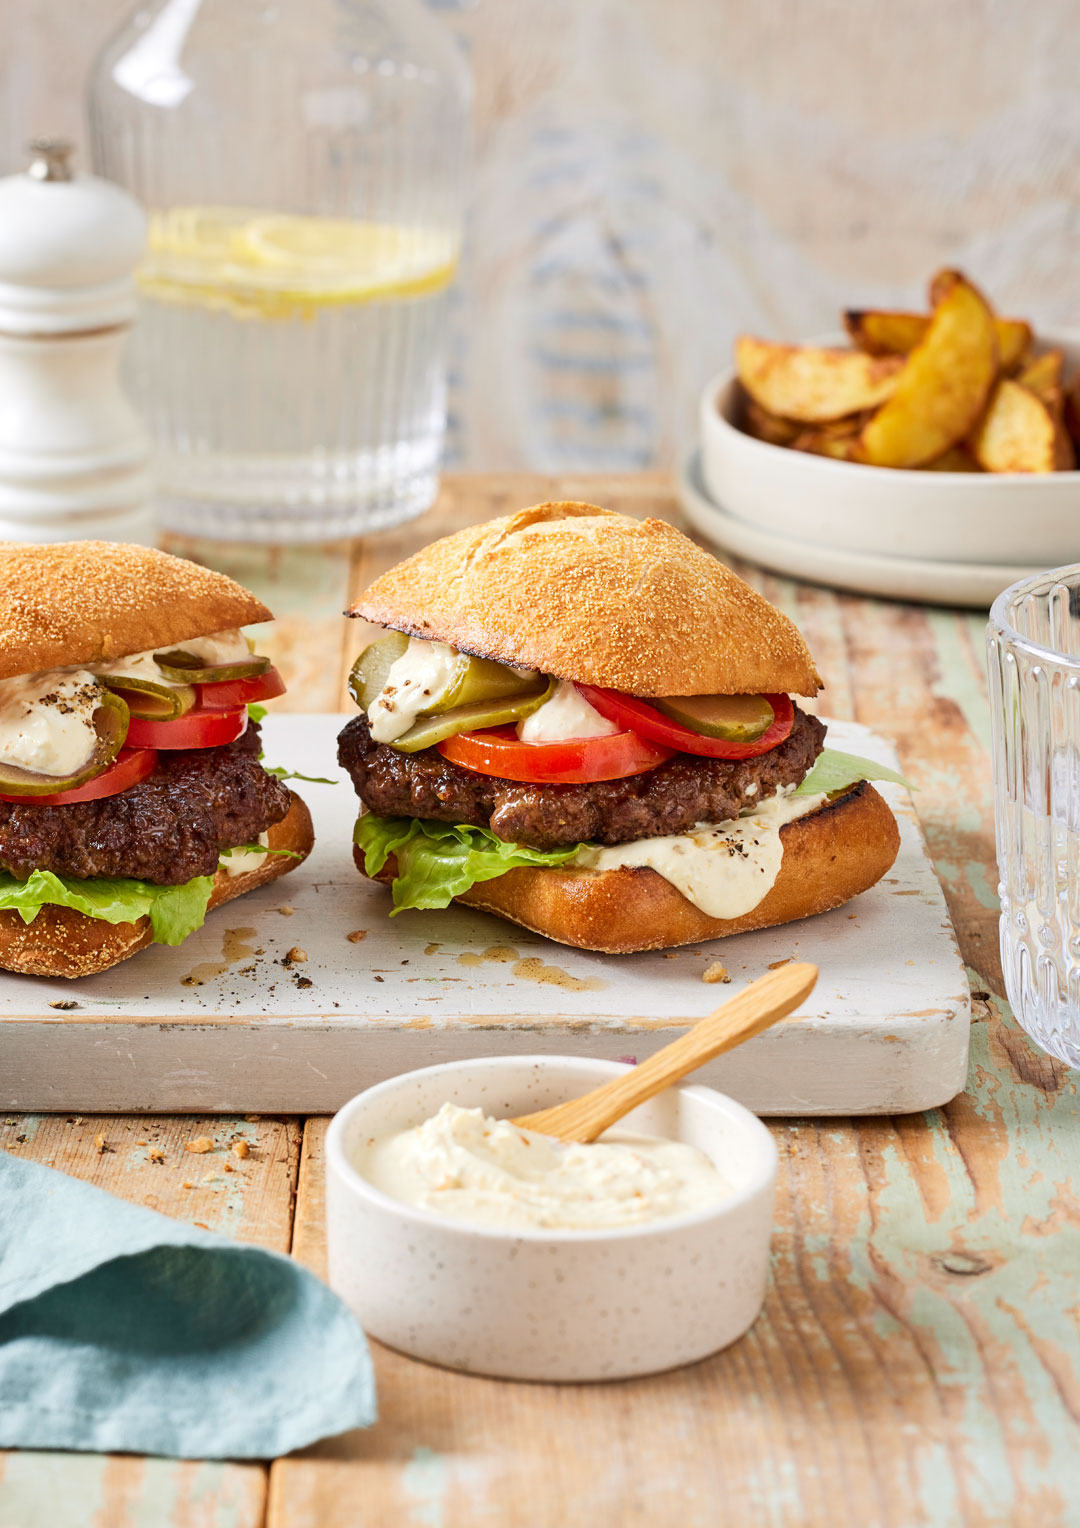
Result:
167,829
669,799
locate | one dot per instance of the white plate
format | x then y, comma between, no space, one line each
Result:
901,578
220,1024
1011,519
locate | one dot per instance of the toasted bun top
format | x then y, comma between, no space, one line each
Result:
83,601
581,593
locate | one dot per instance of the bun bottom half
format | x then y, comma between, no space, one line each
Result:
830,856
63,942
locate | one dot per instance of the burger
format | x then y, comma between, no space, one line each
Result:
584,723
132,794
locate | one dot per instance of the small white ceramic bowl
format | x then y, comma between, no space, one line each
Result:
1019,519
534,1305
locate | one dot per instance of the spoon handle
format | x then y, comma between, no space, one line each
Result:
766,1000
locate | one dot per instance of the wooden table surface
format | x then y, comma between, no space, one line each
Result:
918,1357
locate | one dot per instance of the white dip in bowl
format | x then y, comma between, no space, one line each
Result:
450,1249
466,1166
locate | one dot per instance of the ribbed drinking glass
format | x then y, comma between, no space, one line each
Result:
1033,663
302,164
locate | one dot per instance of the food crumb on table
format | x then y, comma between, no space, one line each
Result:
240,1149
296,956
356,935
201,1144
716,971
155,1154
286,911
101,1145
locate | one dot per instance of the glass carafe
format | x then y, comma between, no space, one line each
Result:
302,165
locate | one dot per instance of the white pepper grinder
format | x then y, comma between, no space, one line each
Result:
74,457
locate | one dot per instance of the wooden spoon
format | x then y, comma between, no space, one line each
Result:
771,997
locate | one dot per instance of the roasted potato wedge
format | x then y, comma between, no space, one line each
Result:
762,425
1017,433
955,459
1072,412
881,332
811,383
944,385
1043,377
836,439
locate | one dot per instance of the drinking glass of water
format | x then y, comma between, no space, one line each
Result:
301,163
1033,663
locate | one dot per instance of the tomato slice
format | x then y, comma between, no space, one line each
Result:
226,694
202,727
129,767
628,711
574,761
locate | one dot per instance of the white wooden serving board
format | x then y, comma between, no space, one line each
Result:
221,1024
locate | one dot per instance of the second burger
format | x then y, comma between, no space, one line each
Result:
584,723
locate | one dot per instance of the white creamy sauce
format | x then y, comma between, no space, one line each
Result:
466,1166
422,671
135,666
566,715
240,861
217,650
724,868
47,720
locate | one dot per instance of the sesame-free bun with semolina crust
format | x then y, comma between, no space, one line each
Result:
830,856
575,591
63,942
74,602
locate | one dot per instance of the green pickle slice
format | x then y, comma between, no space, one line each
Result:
429,730
110,724
480,679
734,718
367,678
185,668
474,682
153,702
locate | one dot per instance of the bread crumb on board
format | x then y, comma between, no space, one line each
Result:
716,971
356,935
286,911
101,1145
296,956
241,1148
201,1144
155,1154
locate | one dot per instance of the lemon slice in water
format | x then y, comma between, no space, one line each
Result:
259,265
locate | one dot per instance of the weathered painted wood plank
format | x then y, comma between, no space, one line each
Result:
145,1158
248,1197
915,1362
46,1490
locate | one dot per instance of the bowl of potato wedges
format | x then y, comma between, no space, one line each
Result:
949,435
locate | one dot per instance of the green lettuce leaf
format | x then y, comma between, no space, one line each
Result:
294,774
174,911
256,713
437,861
258,848
835,771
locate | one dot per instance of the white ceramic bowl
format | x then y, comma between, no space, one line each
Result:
1025,519
593,1305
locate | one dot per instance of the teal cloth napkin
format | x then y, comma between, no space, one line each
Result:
123,1330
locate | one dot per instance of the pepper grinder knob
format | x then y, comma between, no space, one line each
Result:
74,456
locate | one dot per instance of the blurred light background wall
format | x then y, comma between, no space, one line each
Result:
652,176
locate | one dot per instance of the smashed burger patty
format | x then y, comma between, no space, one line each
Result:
688,789
168,829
